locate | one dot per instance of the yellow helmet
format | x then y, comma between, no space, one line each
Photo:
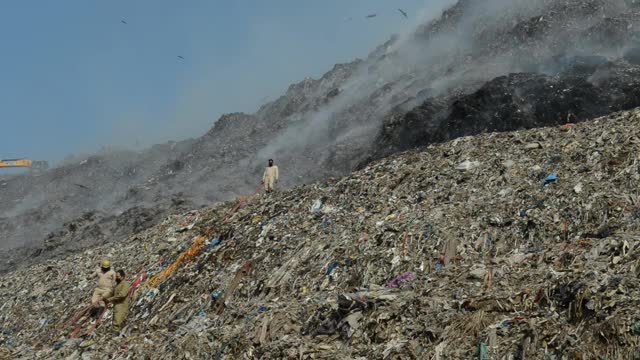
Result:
106,264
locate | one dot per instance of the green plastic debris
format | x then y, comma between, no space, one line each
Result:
636,329
483,351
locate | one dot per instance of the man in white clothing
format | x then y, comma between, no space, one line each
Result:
270,177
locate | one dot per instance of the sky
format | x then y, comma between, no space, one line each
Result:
75,78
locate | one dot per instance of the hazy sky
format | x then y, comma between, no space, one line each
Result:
75,78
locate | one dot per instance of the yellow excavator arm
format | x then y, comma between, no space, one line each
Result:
16,163
24,163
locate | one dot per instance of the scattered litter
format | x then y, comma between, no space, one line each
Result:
460,274
332,267
468,165
398,281
551,178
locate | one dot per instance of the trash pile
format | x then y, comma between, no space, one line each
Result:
515,245
499,66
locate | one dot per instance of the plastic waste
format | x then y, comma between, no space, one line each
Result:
468,165
399,280
551,178
332,267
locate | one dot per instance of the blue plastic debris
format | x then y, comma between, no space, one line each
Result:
439,267
263,308
331,268
202,313
58,345
551,178
214,243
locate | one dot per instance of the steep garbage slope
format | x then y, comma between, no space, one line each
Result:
520,244
548,59
495,66
516,101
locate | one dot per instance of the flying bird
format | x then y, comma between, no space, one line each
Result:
180,57
82,186
370,16
124,22
403,13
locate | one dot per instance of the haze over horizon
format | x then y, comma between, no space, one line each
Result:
87,75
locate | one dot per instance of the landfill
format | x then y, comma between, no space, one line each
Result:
514,245
463,69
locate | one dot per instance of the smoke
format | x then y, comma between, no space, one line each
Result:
472,43
315,129
400,69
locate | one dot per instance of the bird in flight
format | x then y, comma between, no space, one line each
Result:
180,57
371,16
403,13
124,22
82,186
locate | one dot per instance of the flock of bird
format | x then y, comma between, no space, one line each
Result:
125,22
370,16
404,13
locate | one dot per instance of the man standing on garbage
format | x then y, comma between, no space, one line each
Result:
120,301
106,282
270,177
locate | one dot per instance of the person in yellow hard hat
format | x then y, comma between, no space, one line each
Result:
106,282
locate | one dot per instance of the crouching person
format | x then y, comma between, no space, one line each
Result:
120,301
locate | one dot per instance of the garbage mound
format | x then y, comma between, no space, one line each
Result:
518,101
511,245
496,66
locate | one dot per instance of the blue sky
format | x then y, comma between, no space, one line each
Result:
74,78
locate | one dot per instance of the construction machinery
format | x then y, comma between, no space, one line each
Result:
24,163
